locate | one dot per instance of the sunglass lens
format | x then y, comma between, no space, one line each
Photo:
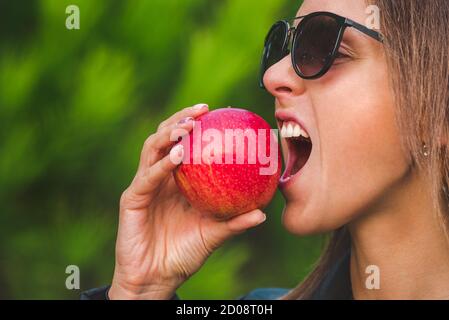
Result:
274,49
315,43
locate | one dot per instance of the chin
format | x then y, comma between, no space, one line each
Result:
302,220
298,221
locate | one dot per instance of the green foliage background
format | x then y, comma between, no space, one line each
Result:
75,109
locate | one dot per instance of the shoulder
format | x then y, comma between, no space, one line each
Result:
265,294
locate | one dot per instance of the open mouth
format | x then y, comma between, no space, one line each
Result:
299,147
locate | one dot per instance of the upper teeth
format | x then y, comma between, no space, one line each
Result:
292,130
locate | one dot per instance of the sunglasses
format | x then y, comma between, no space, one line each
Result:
315,43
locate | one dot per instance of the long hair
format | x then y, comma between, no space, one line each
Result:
417,51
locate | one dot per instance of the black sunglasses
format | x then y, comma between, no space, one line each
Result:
315,44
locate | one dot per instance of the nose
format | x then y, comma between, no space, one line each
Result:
282,81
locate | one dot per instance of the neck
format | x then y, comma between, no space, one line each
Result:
404,238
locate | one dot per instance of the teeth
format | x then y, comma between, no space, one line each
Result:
283,131
289,130
297,131
304,134
292,130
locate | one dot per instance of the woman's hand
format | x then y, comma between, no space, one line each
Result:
161,239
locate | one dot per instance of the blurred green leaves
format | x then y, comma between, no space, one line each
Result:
75,109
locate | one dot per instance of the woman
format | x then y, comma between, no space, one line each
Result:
375,175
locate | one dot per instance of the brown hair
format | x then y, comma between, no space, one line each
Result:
417,52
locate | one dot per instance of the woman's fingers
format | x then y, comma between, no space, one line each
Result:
148,180
222,230
174,127
244,221
164,139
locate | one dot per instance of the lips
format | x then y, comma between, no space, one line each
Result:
298,142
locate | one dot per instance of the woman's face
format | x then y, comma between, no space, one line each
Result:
356,160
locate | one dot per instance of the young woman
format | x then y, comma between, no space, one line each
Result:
374,171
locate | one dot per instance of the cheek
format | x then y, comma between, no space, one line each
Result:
361,155
363,147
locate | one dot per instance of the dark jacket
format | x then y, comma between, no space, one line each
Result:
335,286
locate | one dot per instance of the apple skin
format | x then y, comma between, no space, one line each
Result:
226,190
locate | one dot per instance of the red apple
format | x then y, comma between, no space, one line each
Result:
231,164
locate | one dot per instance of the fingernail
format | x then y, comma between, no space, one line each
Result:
200,106
177,154
185,120
263,218
179,149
